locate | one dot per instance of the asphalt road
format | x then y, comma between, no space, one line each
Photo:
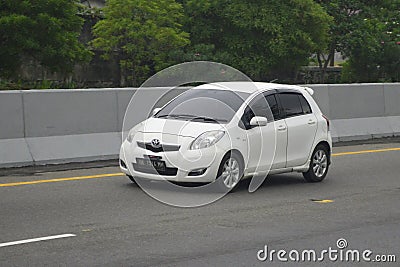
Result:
112,222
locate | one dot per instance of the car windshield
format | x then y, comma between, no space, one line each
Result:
205,105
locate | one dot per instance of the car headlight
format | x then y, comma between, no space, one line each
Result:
130,136
207,139
133,132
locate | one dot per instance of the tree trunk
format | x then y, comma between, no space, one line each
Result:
332,55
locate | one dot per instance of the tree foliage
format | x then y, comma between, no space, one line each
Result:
266,39
46,31
141,33
367,32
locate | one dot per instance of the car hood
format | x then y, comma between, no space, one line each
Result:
177,127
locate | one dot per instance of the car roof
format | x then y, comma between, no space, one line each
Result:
251,87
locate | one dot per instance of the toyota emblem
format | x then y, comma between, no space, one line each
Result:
155,143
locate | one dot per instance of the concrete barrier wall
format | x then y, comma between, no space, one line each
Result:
360,111
54,126
358,100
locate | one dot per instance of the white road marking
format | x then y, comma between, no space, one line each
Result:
13,243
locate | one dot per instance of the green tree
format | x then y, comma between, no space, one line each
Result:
367,32
141,33
45,31
265,39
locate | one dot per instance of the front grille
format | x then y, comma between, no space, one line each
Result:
144,169
162,148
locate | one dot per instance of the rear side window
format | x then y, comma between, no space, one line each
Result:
291,104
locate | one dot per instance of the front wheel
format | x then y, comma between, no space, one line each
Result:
319,165
230,172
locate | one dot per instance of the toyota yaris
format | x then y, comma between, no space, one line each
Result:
226,131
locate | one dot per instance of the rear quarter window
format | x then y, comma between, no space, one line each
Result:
305,105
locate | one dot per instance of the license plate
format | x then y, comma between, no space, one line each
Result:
156,164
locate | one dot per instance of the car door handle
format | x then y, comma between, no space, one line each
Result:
311,122
282,128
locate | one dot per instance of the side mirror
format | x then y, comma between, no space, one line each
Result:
258,121
156,110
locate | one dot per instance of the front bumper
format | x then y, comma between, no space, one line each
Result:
185,161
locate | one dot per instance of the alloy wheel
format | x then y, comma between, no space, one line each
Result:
320,163
231,173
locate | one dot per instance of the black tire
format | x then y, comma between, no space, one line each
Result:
319,165
222,182
131,178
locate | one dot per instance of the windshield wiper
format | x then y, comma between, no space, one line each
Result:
163,116
208,119
173,116
192,117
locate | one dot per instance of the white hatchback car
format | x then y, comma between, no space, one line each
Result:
213,132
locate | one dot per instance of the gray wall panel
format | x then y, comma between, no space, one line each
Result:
392,99
356,101
65,112
321,96
11,115
123,97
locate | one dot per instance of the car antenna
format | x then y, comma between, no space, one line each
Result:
274,80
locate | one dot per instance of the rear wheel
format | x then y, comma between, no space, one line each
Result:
319,165
230,172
